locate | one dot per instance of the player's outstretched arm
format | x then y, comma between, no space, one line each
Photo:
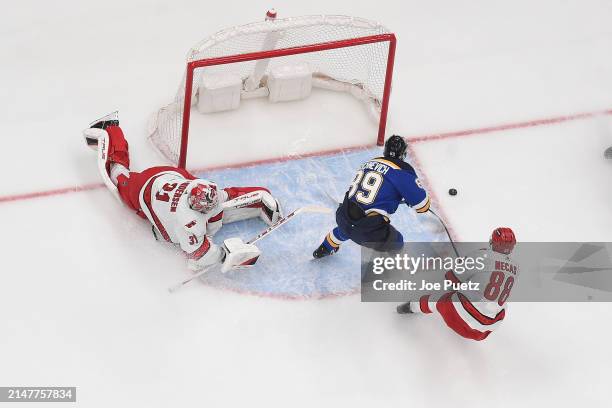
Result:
200,251
413,192
203,254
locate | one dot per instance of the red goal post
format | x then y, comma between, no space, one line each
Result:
169,128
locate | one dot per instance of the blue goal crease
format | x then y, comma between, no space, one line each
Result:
286,267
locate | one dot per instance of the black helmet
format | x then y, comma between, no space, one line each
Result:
395,147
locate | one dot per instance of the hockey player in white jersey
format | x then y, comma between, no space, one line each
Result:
474,314
183,209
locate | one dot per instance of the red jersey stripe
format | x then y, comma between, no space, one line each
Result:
476,314
201,251
450,275
147,200
216,218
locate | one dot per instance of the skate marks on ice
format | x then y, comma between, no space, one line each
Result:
286,268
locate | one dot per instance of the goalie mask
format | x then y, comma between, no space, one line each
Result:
203,197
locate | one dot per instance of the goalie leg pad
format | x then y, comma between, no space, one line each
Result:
235,192
239,254
117,149
103,145
249,202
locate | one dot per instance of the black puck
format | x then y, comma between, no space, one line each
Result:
452,192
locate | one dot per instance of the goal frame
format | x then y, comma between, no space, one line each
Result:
268,54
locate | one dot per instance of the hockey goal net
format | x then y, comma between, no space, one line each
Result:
282,60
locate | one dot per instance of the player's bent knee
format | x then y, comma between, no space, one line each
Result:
456,323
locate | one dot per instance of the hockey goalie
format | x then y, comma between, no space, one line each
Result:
184,210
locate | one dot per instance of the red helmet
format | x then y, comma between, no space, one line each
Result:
203,197
502,240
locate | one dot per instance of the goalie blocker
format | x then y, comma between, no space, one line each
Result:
239,254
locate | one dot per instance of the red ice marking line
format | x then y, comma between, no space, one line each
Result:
510,126
95,186
416,139
416,163
55,192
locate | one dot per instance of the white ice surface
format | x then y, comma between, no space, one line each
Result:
83,297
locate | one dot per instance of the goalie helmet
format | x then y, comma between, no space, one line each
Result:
502,240
203,197
395,147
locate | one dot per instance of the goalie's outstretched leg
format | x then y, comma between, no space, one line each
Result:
112,119
249,202
105,136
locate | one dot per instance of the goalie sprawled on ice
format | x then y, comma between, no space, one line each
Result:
183,209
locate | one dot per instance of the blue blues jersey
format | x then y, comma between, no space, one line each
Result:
381,184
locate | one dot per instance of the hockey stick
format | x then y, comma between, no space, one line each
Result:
400,309
283,220
280,222
430,210
447,233
332,198
179,285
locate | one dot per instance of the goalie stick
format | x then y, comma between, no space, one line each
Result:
308,208
280,222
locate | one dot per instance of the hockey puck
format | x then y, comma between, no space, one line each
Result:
452,192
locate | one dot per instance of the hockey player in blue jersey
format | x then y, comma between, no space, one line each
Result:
379,187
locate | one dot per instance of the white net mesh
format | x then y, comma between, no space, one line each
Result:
359,70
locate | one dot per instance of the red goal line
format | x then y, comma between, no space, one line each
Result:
510,126
412,139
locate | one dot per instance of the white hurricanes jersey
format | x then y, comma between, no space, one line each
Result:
484,308
164,200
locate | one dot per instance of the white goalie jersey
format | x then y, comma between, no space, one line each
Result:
164,200
482,304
